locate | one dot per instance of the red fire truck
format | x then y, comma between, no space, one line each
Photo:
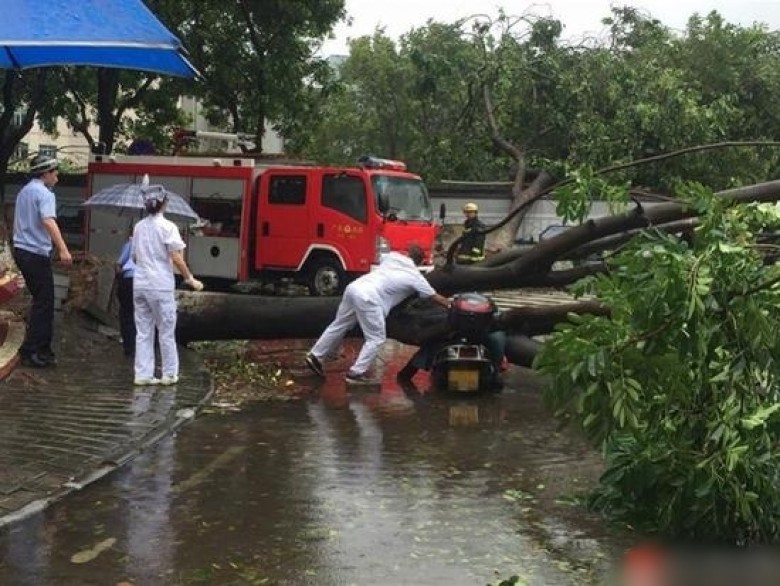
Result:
320,226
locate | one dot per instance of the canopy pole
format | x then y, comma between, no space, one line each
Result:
14,62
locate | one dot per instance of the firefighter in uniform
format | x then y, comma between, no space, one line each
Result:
472,246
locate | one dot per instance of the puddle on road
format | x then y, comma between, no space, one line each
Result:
358,486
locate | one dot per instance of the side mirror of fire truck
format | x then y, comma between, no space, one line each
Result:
442,212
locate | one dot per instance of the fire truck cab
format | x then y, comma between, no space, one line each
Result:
318,225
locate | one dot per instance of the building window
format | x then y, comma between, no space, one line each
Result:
19,115
22,151
48,150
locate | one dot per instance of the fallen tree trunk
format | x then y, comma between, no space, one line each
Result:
684,227
215,316
231,316
521,350
535,320
223,316
541,256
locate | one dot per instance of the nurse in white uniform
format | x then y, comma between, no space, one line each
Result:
157,248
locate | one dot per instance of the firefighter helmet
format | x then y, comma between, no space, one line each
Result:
470,207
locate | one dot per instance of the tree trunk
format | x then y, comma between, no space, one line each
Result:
11,134
223,316
215,316
108,87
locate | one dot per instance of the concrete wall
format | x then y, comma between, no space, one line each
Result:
494,201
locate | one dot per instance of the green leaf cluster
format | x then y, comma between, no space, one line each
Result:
680,387
584,185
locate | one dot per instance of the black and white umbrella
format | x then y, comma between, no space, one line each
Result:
128,199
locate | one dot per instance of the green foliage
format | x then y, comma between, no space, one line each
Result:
231,366
680,386
575,197
643,91
257,58
258,64
112,107
408,100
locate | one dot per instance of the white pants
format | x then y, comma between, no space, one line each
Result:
155,309
355,307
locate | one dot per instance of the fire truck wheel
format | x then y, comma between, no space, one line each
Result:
326,277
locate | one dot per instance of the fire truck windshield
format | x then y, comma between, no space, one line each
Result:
406,199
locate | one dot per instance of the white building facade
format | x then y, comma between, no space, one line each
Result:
72,148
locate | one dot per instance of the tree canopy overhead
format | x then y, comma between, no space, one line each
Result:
641,90
258,58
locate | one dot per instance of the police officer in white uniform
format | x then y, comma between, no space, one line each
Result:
157,248
367,301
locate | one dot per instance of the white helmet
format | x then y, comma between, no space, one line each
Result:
41,164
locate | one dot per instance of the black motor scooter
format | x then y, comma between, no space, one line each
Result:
463,362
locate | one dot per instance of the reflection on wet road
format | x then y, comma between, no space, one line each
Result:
351,486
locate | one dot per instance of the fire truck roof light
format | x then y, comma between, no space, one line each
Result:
371,162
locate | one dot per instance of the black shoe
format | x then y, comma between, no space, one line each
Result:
406,374
315,365
497,383
35,360
49,356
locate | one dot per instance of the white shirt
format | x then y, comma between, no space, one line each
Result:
154,238
396,278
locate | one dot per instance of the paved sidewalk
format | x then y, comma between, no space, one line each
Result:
64,427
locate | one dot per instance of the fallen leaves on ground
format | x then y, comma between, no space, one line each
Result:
241,377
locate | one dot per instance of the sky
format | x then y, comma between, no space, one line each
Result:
579,17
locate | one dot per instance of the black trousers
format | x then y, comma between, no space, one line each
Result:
39,280
124,292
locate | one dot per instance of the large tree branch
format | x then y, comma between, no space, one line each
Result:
83,122
521,209
685,151
132,99
686,226
536,262
211,316
517,153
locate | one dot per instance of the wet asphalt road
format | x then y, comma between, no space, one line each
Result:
360,486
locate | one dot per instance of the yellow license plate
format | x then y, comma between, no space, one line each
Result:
460,379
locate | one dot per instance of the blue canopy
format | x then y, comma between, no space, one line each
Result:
100,33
